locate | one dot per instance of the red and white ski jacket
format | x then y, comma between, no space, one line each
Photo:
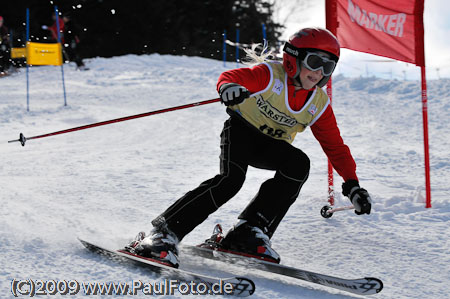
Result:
325,128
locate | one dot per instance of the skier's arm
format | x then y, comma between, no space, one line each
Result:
76,31
54,31
253,79
326,131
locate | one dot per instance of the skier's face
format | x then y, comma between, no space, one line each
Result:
309,78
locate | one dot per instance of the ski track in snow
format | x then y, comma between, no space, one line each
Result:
107,183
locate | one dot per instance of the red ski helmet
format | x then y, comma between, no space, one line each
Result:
309,39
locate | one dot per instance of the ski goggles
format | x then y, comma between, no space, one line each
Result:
314,61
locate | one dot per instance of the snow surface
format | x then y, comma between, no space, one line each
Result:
108,183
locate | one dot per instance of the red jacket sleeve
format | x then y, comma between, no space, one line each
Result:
326,131
254,79
54,30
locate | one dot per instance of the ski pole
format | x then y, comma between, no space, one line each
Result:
22,139
327,211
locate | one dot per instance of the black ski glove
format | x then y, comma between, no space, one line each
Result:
359,197
232,94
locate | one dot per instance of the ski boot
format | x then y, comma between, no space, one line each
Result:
130,247
161,245
251,241
82,68
214,241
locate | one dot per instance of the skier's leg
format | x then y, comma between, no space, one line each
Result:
3,58
277,194
194,207
260,219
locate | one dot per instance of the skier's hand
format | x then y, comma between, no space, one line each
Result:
232,94
359,197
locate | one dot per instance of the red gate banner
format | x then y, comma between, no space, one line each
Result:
387,28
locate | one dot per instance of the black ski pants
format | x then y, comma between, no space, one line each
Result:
243,145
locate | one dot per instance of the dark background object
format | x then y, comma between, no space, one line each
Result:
178,27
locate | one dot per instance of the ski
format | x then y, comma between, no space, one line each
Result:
360,286
241,286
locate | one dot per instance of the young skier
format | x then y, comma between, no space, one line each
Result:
70,38
72,33
268,105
